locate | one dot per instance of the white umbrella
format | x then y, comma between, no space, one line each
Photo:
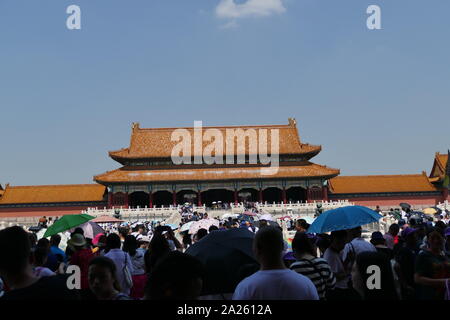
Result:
203,224
88,232
228,215
266,216
186,226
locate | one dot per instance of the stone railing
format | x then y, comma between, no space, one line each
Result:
141,213
302,207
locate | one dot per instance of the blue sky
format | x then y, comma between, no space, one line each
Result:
377,101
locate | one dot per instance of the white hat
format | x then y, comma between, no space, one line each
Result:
143,238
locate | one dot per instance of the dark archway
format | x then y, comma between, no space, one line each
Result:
271,195
295,194
215,195
187,196
138,199
162,198
118,199
248,194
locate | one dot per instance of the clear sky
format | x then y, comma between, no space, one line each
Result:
377,101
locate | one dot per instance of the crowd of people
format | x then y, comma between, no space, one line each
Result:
148,261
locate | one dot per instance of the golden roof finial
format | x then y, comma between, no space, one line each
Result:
135,125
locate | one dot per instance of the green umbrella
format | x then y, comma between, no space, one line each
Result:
67,222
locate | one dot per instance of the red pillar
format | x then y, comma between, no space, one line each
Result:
199,198
150,196
445,193
325,193
236,200
308,195
110,200
260,196
126,200
174,198
284,195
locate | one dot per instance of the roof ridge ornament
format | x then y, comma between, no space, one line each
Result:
135,126
292,122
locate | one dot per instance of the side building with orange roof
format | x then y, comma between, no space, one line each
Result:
440,169
386,190
50,200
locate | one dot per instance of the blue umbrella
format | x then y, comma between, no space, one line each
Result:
343,218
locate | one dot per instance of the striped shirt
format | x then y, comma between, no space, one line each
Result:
318,271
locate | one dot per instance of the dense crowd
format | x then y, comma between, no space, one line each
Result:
147,261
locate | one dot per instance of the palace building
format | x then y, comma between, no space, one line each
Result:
149,177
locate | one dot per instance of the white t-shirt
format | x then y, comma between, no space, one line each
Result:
279,284
358,245
335,262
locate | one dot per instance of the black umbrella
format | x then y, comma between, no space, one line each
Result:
225,255
404,205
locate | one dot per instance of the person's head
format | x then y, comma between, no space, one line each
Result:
102,277
435,241
394,229
354,233
213,228
123,232
15,251
113,241
78,241
33,239
102,241
130,245
409,235
301,225
302,244
268,245
55,240
43,243
166,282
158,247
79,230
440,227
201,234
323,242
40,255
143,241
187,240
338,240
263,223
377,238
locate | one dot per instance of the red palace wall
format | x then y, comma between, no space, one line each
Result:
393,201
40,211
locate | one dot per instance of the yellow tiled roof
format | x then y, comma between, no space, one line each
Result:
53,193
381,184
136,174
156,142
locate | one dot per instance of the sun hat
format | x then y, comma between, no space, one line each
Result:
77,240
